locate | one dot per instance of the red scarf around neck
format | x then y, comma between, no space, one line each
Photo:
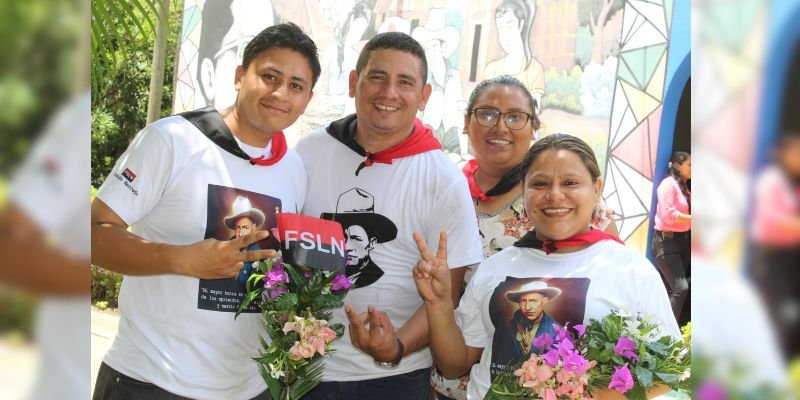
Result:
420,141
469,170
276,152
548,246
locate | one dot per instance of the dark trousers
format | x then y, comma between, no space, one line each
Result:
672,251
413,385
113,385
777,279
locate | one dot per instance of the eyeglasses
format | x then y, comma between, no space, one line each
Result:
488,117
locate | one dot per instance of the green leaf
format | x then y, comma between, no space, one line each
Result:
643,376
636,393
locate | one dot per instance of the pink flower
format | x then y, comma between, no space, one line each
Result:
300,351
563,389
561,333
563,376
575,363
307,274
551,357
340,282
326,334
319,345
275,276
279,290
543,373
626,348
288,327
543,342
580,329
621,380
549,394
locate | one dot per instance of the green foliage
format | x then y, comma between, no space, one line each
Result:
39,68
121,68
105,286
18,315
563,89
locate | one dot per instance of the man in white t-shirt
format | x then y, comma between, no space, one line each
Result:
383,169
174,187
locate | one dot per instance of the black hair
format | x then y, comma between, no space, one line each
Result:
562,141
678,158
506,80
397,41
285,36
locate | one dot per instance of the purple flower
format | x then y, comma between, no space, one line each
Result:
340,282
573,362
275,276
580,329
561,333
279,290
551,357
621,380
566,347
543,342
626,348
307,274
711,390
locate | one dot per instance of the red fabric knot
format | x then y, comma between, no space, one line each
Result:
276,152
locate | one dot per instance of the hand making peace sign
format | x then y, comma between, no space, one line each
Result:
432,275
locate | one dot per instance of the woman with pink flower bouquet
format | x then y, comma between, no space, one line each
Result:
563,269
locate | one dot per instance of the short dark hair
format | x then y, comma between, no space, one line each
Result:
505,80
285,36
562,141
397,41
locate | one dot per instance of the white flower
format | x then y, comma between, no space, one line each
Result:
685,375
275,373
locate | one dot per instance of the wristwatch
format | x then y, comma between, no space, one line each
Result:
401,349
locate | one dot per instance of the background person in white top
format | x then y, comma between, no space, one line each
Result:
562,185
384,151
173,187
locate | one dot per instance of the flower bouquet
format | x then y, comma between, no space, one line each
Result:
295,295
618,357
559,371
634,360
294,304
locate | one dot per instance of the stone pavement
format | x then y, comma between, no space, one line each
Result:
104,328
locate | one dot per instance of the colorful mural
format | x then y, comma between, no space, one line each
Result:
596,68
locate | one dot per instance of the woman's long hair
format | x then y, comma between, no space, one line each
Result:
678,158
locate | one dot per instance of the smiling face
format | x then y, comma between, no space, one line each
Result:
273,92
388,93
559,194
498,147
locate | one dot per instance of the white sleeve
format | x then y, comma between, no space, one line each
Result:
455,214
52,184
653,299
139,178
469,319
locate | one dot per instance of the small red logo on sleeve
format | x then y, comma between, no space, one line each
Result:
129,175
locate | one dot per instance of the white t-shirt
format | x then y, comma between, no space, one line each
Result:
423,193
174,185
593,282
51,188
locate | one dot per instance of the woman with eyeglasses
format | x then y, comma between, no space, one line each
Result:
500,122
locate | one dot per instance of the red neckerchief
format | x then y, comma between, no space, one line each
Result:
548,246
469,170
420,141
276,152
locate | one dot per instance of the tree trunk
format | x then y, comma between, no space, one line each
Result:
159,58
